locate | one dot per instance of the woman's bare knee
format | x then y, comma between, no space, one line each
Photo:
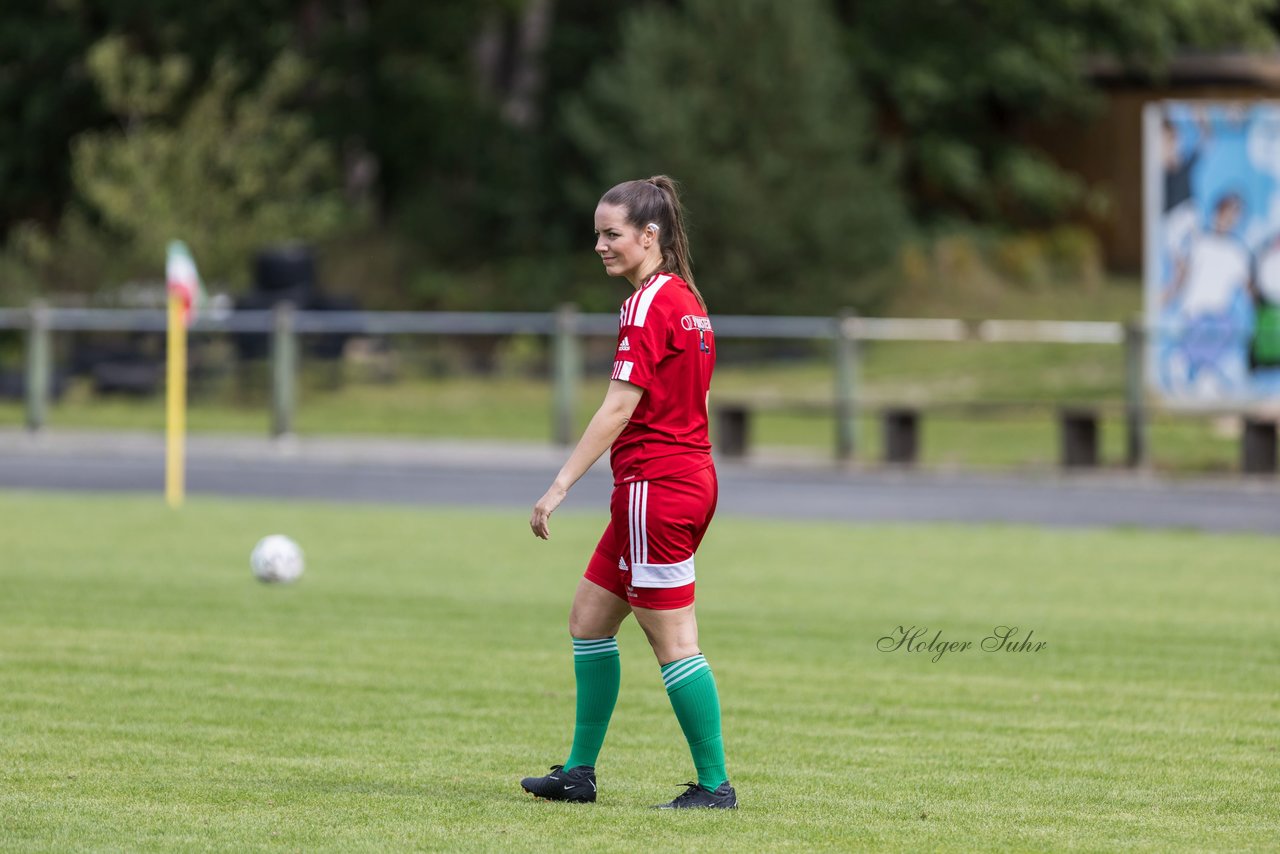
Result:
673,635
596,613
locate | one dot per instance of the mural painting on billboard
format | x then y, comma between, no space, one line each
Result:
1212,278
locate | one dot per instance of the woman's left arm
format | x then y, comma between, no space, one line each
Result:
606,425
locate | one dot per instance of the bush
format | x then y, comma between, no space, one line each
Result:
1075,256
229,171
1020,260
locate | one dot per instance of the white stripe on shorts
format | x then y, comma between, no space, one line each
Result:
644,521
637,513
663,574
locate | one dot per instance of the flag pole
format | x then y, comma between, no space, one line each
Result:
176,403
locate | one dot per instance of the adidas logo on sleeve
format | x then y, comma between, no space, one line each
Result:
625,346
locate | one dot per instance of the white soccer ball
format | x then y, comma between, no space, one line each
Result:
276,559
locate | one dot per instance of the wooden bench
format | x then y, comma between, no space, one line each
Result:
1079,433
1079,429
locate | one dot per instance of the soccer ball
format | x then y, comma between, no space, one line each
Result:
276,559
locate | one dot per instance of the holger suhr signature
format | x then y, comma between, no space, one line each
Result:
917,639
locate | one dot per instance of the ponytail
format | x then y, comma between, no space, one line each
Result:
657,200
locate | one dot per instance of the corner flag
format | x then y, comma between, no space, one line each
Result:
183,281
185,295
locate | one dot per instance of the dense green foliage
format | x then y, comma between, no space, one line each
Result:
475,134
236,170
155,698
959,80
790,204
48,95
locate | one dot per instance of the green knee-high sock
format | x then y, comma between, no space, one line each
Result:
598,672
692,689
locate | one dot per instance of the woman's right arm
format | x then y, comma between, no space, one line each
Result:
606,425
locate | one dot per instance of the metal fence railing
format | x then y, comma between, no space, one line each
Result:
547,323
565,328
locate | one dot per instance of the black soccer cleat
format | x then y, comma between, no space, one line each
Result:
696,797
577,785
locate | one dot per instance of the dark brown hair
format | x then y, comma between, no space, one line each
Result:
657,200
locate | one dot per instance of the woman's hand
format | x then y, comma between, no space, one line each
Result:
542,511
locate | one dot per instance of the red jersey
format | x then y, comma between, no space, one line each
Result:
665,346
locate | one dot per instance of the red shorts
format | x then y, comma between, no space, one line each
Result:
655,526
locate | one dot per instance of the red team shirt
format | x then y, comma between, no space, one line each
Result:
664,482
665,346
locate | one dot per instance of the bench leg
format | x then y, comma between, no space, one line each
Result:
1079,438
1258,447
732,431
901,436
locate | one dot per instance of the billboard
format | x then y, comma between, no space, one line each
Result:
1212,269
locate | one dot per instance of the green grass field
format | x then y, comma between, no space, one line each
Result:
154,697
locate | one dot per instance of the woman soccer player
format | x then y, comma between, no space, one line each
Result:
654,420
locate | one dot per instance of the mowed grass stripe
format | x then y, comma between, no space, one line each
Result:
154,697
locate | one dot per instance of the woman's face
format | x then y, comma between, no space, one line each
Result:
622,247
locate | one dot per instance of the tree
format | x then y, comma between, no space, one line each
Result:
752,105
957,81
397,84
236,170
48,96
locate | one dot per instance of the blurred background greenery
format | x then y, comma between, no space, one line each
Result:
447,155
899,157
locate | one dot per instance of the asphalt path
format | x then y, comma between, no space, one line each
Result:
514,476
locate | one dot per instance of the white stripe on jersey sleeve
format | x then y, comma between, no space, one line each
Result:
622,370
646,300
